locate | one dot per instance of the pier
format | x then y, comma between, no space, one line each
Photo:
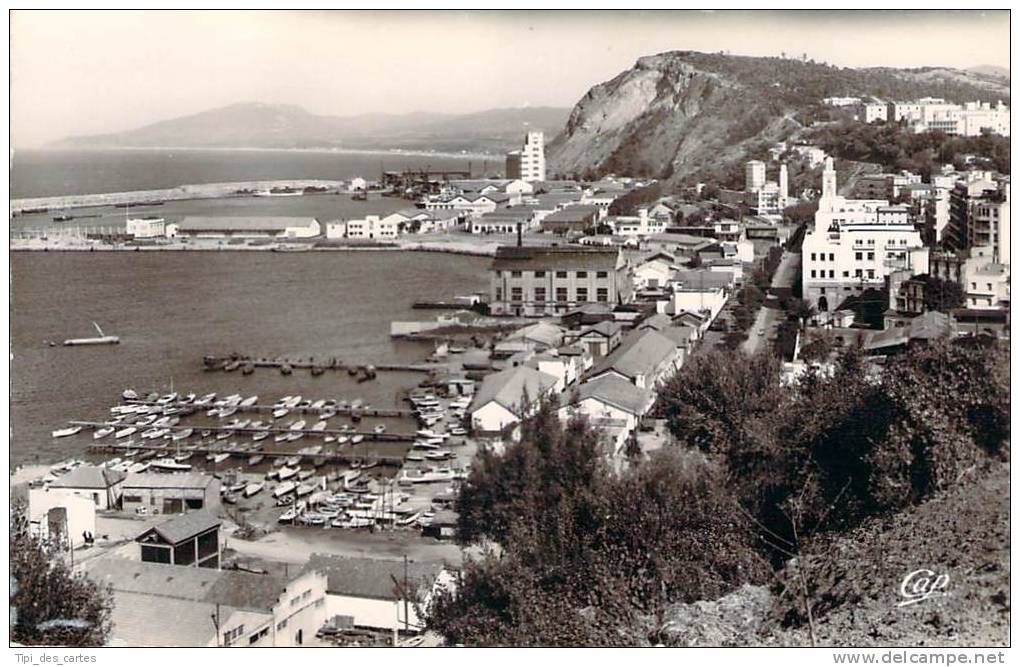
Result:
247,364
322,458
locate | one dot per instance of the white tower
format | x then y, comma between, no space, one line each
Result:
828,182
784,186
754,176
533,157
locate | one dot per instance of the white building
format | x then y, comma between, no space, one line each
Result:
61,516
528,164
854,245
641,224
765,197
369,227
146,228
754,177
499,401
256,227
931,114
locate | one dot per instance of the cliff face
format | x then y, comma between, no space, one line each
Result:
662,117
678,113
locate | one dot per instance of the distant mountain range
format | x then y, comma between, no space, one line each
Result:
253,124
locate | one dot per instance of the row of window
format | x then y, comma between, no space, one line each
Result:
858,273
539,294
563,274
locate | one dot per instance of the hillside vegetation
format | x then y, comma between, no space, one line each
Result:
678,114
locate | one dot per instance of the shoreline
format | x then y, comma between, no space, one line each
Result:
420,246
319,149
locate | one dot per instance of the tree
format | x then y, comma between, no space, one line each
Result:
50,605
941,295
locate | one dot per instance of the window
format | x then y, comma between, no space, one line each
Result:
858,273
582,294
871,255
516,293
582,274
515,274
561,293
258,635
813,273
601,274
973,285
281,625
540,294
846,274
602,294
832,257
812,257
561,274
832,274
989,286
871,273
858,256
499,294
540,274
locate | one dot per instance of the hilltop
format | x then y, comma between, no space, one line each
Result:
678,113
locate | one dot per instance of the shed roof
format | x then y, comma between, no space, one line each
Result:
640,353
371,577
617,392
591,258
201,223
185,480
183,526
89,477
507,387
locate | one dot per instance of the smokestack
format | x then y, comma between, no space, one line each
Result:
520,241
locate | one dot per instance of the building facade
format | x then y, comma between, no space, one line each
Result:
549,280
528,164
979,216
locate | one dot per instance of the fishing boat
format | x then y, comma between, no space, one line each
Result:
255,460
250,401
64,432
381,428
138,467
182,434
101,339
319,426
286,473
169,464
297,425
357,438
294,460
125,432
221,457
253,488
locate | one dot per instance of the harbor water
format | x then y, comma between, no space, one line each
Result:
170,309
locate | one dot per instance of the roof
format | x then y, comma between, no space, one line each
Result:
658,321
183,526
702,279
580,213
615,391
640,353
186,480
541,332
507,387
233,588
196,223
561,258
606,328
927,326
678,239
88,477
137,622
371,577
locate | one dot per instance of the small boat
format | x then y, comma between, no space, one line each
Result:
381,428
169,464
297,425
234,488
181,435
412,456
185,400
167,398
296,435
64,432
250,401
248,368
205,400
319,425
280,461
232,365
253,488
221,457
294,460
304,474
260,436
280,412
101,339
223,435
286,473
317,405
285,368
130,453
129,395
125,432
138,467
227,411
112,462
256,459
181,458
357,438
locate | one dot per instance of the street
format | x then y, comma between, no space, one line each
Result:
769,315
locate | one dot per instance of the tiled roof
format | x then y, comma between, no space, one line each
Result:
187,480
88,477
138,622
541,332
556,258
703,279
182,526
579,213
508,387
371,577
640,353
615,391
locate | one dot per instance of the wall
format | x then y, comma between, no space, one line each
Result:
81,512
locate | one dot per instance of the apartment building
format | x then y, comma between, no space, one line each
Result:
545,280
855,244
979,216
528,164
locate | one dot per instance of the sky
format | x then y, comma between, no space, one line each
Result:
90,72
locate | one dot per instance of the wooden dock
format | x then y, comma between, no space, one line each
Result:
347,411
367,435
363,372
322,458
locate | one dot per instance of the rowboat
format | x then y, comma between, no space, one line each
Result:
250,401
286,473
221,457
64,432
125,432
252,489
169,464
280,412
255,460
181,435
297,425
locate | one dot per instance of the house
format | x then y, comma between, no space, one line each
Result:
533,280
680,245
369,227
442,526
191,539
379,594
591,313
566,368
166,605
598,339
61,515
700,291
171,494
653,273
149,227
928,326
505,221
579,219
609,397
540,336
98,483
644,358
251,227
498,402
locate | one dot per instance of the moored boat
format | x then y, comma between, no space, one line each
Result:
64,432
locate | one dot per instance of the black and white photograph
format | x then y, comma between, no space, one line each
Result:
681,329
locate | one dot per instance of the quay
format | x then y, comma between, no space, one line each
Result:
365,371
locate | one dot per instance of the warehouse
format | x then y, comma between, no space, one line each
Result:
170,494
256,227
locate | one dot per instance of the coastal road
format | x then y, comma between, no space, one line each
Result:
770,314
